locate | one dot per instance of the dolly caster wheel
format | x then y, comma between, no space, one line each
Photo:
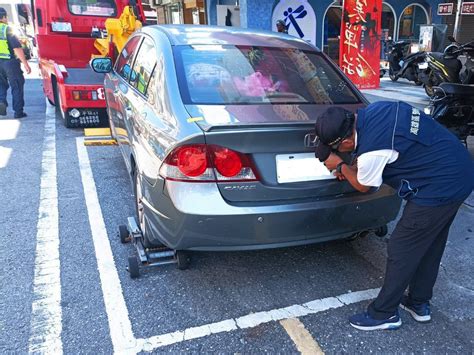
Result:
183,259
123,234
133,268
382,231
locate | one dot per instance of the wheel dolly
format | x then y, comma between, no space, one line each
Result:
148,257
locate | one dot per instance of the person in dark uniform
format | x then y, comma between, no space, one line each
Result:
11,54
281,27
396,144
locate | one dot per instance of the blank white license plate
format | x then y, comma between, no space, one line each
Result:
300,167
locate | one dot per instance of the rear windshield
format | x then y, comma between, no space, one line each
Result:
104,8
229,75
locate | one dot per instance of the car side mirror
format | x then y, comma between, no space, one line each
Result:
101,65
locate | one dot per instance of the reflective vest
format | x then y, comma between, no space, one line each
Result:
4,51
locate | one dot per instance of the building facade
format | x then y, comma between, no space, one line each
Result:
401,19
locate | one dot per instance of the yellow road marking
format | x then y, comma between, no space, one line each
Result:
90,132
303,340
100,141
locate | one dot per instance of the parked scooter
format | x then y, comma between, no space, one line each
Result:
454,65
452,105
402,65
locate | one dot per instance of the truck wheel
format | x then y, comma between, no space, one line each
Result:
133,268
57,103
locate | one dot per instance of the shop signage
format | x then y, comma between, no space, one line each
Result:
360,42
467,8
445,9
299,18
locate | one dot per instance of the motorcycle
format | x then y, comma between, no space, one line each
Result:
452,105
404,66
454,65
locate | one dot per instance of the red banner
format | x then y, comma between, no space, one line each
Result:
359,55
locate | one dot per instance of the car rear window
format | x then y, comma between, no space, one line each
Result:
103,8
229,75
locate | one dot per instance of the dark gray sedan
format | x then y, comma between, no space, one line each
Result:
212,123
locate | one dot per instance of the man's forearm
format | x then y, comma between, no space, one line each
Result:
21,55
350,173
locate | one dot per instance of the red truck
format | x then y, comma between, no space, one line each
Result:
66,31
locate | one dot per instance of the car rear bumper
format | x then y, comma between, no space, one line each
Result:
196,217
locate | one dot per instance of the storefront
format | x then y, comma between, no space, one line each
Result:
179,11
465,26
400,18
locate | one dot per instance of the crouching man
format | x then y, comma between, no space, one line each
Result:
400,146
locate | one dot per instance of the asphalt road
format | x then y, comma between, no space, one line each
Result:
64,286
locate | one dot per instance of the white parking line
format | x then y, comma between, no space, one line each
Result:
255,319
303,340
121,333
46,317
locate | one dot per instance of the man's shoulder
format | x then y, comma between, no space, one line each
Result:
12,38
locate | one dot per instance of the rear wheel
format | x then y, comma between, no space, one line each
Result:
140,212
58,105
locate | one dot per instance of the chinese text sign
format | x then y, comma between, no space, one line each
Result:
360,42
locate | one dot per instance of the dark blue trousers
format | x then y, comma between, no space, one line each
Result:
414,251
11,76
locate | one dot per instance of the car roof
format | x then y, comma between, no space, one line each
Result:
212,35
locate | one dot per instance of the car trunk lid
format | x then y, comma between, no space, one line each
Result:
286,169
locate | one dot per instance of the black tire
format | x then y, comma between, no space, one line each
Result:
133,267
123,234
139,213
183,259
382,231
57,104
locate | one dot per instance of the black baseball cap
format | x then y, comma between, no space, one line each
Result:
332,127
3,12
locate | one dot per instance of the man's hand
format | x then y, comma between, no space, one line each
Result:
332,161
27,67
20,54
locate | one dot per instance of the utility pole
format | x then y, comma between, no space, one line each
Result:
458,19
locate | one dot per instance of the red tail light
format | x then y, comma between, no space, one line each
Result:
207,163
227,162
192,161
84,95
